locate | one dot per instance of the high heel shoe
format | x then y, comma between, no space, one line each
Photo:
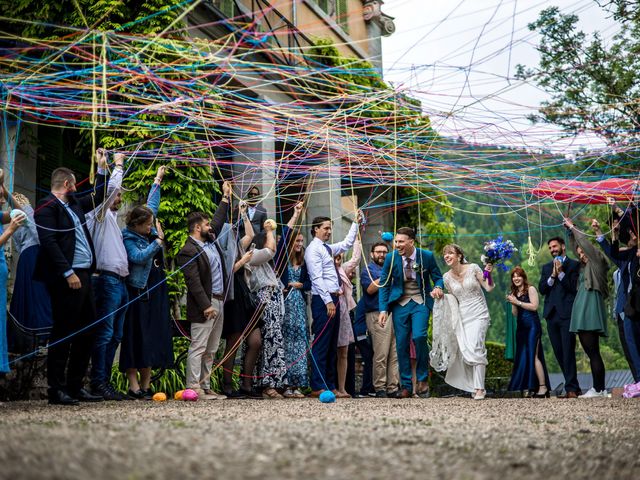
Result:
546,394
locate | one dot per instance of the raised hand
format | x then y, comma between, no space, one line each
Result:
118,159
567,222
226,188
101,158
160,174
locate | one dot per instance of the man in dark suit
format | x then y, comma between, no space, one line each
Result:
257,213
559,284
405,293
65,263
204,271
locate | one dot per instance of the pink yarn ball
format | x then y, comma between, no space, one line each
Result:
189,395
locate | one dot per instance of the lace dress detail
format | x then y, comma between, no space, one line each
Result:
460,323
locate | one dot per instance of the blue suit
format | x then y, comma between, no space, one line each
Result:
411,319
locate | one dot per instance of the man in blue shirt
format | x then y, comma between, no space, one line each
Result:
385,357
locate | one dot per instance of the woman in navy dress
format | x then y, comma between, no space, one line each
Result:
5,235
529,369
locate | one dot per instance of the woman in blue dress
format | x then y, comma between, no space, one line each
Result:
5,234
294,327
529,368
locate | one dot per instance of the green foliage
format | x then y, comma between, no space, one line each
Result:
498,366
593,84
170,381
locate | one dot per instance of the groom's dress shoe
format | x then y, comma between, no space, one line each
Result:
58,397
83,396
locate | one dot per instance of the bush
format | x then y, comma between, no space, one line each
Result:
171,380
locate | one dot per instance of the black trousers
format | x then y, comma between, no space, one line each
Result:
563,343
366,353
73,311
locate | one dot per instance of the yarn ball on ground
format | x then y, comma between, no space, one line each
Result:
327,397
189,395
178,395
160,397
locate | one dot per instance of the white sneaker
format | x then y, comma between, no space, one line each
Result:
591,393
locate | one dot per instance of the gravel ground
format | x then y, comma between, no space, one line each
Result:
369,438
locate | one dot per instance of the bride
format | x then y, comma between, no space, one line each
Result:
460,322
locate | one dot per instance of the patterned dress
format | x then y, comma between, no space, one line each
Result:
295,333
272,365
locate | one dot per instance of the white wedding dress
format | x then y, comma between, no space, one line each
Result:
460,322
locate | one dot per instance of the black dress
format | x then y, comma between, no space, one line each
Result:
240,311
147,337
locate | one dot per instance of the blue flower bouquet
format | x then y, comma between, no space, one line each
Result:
497,252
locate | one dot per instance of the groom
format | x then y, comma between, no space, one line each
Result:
405,287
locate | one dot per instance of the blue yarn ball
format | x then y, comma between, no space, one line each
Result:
387,236
327,397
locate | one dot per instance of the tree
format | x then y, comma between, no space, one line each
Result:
594,84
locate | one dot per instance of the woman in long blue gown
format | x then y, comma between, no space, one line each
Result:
5,235
529,368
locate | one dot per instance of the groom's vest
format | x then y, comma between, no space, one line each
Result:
411,291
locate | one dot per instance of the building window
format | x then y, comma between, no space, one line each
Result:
225,6
342,14
338,10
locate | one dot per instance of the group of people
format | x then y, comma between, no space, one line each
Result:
105,288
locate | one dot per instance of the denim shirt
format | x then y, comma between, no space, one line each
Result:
140,248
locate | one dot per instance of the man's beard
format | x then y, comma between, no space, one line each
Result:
209,237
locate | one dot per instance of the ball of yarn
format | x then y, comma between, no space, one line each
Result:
160,397
271,222
178,395
327,397
17,213
387,236
189,395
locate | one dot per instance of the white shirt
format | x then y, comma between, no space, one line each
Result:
102,223
321,266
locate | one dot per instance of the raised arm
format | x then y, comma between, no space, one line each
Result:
93,199
220,217
248,226
484,282
153,199
347,243
114,185
353,263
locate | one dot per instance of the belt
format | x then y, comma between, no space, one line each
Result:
110,274
218,296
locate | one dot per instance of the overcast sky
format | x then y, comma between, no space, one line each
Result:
459,58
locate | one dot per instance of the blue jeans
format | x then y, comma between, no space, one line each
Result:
111,295
411,321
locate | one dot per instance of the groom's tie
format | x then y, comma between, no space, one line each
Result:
334,262
408,269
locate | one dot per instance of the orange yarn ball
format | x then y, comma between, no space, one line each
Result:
160,397
178,395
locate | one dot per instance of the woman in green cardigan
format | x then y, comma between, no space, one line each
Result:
589,316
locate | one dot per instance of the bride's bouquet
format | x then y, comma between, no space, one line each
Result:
497,251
